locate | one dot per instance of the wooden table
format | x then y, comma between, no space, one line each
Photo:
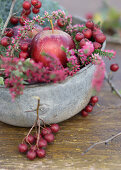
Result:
76,135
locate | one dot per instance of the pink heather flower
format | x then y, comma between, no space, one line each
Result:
88,48
99,74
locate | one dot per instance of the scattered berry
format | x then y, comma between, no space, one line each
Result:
41,153
94,99
49,137
84,113
88,108
26,5
22,148
31,155
55,128
5,41
114,67
79,36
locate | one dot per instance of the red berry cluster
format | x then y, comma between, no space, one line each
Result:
27,11
36,148
24,50
90,106
92,32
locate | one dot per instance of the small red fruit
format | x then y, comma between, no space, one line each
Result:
22,148
35,136
22,20
14,20
100,38
23,54
42,143
26,5
79,36
90,24
9,32
55,128
34,2
97,45
30,139
83,42
87,33
49,137
38,5
33,148
24,46
92,104
31,155
95,32
35,10
94,99
26,12
84,113
5,41
46,131
114,67
88,108
60,22
41,153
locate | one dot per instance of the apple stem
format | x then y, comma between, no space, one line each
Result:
51,22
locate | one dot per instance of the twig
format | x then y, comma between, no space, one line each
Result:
101,142
112,85
9,16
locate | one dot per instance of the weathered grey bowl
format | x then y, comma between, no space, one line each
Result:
59,101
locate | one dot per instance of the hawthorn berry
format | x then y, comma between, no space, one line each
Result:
23,54
87,33
88,108
55,128
42,143
84,113
26,5
35,10
94,99
26,12
14,20
34,2
46,131
23,148
31,155
5,41
33,148
30,139
41,153
90,24
100,38
49,137
114,67
79,36
38,5
60,22
83,42
9,32
96,45
24,46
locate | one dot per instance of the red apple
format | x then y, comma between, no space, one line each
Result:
51,42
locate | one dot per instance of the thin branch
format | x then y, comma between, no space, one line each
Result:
9,16
101,142
112,85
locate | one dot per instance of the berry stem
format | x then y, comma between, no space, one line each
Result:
101,142
9,16
112,85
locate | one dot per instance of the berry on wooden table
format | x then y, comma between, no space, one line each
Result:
88,108
84,113
49,137
55,128
46,131
23,148
114,67
31,155
94,99
41,153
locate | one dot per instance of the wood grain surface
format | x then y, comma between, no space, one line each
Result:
76,135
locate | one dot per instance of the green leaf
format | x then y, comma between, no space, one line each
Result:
1,81
115,92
